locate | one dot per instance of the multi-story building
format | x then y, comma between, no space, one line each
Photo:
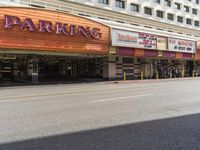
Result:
149,38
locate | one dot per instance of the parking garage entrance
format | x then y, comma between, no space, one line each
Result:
48,68
61,47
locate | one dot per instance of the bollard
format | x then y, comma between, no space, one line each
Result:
170,74
182,73
157,75
142,77
193,74
124,76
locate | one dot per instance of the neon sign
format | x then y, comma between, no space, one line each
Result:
49,27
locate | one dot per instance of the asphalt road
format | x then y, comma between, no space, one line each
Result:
146,115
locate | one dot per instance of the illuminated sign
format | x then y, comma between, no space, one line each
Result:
49,27
133,39
181,45
161,43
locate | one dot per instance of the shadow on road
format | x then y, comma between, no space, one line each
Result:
180,133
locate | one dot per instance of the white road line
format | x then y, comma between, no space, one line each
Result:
117,98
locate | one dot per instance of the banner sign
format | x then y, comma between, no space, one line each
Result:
161,43
133,39
181,45
124,38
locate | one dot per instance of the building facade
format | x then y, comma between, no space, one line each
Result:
145,39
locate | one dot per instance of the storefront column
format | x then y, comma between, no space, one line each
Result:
15,71
195,70
109,67
1,74
62,71
183,68
33,70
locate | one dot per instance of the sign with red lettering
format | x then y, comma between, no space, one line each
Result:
181,45
133,39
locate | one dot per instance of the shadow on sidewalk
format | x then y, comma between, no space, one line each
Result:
48,82
180,133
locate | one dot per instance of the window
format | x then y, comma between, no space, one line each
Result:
103,1
180,19
197,1
38,6
189,21
167,3
119,21
135,7
120,3
84,15
159,13
196,23
177,6
103,18
157,1
170,17
186,9
127,60
148,11
194,11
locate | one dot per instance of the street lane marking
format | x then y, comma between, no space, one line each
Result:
117,98
11,98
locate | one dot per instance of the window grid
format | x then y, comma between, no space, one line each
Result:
120,4
148,11
135,7
103,1
159,13
170,17
180,19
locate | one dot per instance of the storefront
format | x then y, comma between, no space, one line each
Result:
37,45
197,60
146,56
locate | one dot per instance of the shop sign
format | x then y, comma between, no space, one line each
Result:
150,53
139,52
181,45
198,45
187,55
125,51
133,39
67,29
179,55
169,54
161,43
197,55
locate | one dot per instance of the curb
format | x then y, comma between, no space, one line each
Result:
152,80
